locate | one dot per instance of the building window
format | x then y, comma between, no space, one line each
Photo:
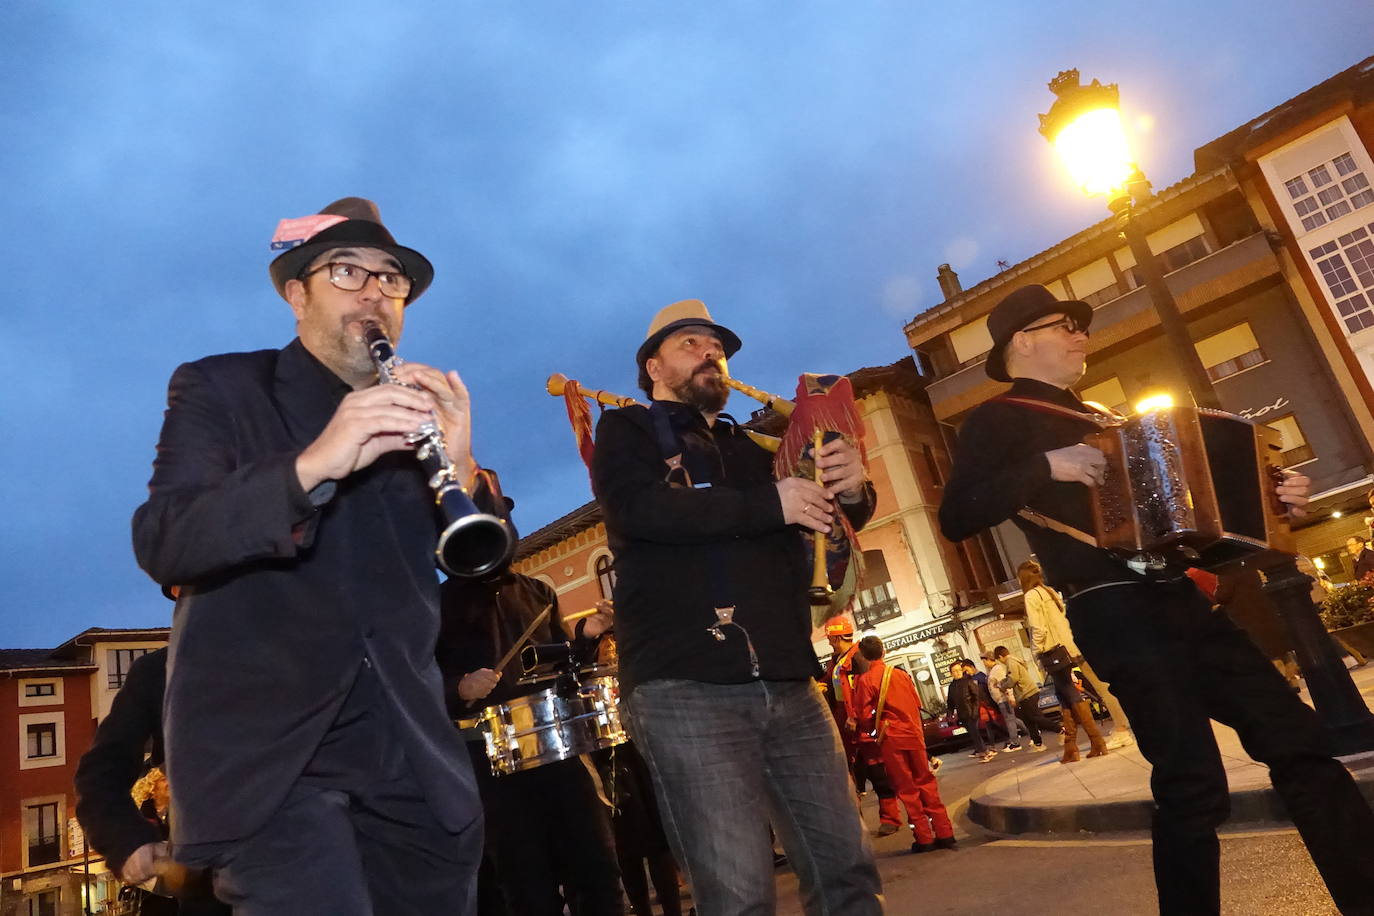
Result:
1233,350
876,600
1347,266
46,689
44,903
120,660
1293,442
971,340
42,740
40,829
605,575
1108,393
1329,191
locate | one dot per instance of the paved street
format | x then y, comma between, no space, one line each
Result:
1263,871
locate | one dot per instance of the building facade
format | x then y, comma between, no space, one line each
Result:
1251,312
50,703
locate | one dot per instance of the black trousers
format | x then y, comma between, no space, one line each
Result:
1174,664
355,835
548,840
1028,711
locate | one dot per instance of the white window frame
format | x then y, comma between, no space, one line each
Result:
57,718
55,700
1276,168
24,806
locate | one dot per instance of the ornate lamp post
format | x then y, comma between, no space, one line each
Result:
1084,125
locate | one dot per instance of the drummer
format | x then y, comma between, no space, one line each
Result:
546,827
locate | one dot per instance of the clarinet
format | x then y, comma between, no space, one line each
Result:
473,543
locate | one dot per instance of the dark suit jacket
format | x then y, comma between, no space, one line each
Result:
115,760
284,593
1364,564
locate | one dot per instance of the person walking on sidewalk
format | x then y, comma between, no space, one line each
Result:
889,708
1057,654
961,697
1024,691
1021,458
999,685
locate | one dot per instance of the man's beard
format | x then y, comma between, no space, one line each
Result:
707,393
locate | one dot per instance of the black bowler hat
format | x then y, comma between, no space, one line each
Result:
352,222
1017,311
685,314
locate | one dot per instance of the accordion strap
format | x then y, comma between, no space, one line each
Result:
1096,414
1044,521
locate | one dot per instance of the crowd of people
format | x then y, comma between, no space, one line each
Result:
321,770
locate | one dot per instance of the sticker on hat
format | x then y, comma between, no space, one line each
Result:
300,229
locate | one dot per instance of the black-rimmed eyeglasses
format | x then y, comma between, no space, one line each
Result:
353,277
1068,324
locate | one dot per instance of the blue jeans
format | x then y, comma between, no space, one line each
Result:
728,759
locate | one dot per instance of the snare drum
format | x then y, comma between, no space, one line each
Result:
549,726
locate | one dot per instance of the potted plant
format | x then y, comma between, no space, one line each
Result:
1348,612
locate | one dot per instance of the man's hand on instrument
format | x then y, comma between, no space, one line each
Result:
805,503
477,684
365,425
1077,464
147,861
601,621
452,407
842,468
1293,493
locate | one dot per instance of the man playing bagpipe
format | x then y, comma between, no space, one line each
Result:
712,614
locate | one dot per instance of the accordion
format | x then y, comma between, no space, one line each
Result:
1191,484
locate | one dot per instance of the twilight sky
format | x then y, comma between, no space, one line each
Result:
802,166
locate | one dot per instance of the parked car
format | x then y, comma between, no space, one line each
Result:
1049,703
944,733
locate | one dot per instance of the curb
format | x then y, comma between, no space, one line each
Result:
1248,806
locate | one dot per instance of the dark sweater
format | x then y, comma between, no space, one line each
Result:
1000,466
682,552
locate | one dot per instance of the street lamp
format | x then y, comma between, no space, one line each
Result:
1084,126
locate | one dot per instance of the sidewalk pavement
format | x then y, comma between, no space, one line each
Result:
1112,793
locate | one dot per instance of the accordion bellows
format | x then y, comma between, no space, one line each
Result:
1190,480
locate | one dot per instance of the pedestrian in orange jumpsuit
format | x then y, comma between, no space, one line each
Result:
861,750
888,707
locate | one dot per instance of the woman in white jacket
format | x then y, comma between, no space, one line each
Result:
1049,629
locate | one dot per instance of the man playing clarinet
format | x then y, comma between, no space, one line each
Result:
313,766
1137,630
714,628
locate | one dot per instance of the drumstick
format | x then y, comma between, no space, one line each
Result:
580,614
519,643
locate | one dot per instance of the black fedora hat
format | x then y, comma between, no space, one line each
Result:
351,222
1019,309
685,314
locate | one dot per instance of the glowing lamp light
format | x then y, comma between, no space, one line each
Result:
1319,562
1336,514
1155,402
1093,149
1084,125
